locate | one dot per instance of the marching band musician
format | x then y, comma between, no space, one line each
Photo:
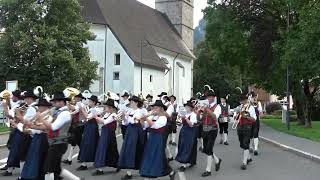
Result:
246,117
90,134
133,143
33,167
9,108
107,154
154,163
123,106
76,128
187,146
22,141
210,130
57,132
173,114
224,120
256,125
148,102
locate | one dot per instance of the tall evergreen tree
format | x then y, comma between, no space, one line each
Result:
43,44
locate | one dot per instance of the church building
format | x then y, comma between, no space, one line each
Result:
141,49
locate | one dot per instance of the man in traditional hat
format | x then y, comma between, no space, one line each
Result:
246,116
209,120
148,102
123,106
224,120
172,111
57,139
256,125
18,152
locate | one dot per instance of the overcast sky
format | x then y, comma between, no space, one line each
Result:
198,6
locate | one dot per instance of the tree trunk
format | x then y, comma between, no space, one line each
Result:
299,106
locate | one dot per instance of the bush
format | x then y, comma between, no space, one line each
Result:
272,107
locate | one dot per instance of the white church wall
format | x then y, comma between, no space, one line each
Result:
104,54
153,87
178,80
125,69
97,53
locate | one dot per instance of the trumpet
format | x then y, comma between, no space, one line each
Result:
243,114
120,116
35,121
71,93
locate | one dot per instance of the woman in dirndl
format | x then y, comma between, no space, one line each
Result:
107,154
154,163
33,167
187,146
133,144
90,135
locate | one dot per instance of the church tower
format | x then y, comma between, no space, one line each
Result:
180,13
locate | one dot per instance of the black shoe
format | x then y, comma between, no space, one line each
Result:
118,170
170,159
170,142
249,161
126,177
98,173
172,176
205,174
66,161
201,149
243,167
6,173
82,168
174,144
4,168
221,141
255,153
218,165
182,168
226,143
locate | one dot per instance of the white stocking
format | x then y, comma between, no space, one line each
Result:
21,166
49,176
169,154
173,137
71,153
216,159
68,175
256,143
209,163
245,156
225,137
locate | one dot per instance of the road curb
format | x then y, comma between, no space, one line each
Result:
3,146
292,150
4,133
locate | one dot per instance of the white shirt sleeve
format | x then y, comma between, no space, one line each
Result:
92,113
36,131
252,112
217,111
193,118
161,122
108,118
63,118
30,113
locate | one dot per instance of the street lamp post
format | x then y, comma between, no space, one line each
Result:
288,78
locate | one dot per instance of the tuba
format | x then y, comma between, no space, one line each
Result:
5,95
71,93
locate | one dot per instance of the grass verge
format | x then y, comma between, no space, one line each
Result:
299,131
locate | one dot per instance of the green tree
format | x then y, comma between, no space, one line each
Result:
43,45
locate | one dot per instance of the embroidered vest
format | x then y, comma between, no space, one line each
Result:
61,135
209,121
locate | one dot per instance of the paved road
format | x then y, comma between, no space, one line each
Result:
273,163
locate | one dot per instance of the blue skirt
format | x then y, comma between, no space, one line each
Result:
13,158
33,167
107,151
132,147
187,146
89,141
154,163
